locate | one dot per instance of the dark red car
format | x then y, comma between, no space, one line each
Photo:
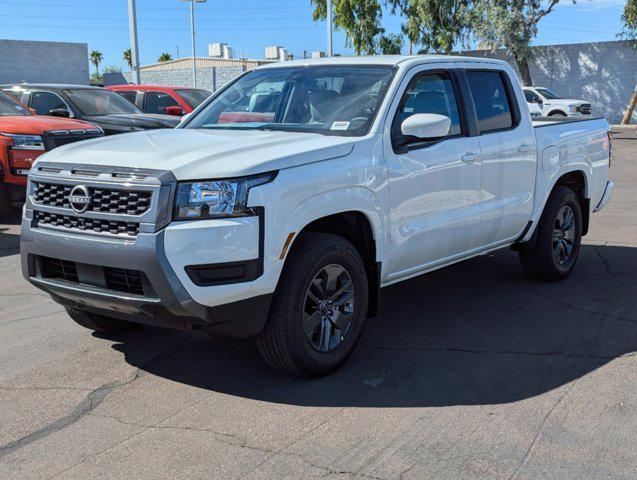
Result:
162,100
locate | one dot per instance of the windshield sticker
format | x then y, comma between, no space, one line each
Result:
340,126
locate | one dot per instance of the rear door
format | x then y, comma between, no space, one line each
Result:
508,147
434,184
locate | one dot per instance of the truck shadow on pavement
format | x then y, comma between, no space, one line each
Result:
10,237
476,333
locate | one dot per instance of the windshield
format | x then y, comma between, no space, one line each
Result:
10,108
192,97
549,94
100,102
340,100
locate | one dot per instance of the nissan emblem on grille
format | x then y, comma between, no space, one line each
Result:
80,198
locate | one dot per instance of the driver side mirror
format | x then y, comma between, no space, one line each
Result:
60,112
426,126
174,110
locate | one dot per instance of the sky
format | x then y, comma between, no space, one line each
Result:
247,25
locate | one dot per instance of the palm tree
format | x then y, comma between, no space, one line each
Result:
164,57
128,56
96,58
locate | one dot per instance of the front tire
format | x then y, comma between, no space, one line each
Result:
559,237
99,323
319,307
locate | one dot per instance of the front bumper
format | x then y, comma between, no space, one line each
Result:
165,301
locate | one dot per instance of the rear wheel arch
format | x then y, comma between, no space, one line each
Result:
577,181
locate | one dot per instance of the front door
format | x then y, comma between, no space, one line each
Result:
434,187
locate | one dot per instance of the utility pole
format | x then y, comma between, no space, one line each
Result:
192,28
134,46
330,52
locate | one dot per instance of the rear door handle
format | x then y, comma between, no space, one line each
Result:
470,157
525,148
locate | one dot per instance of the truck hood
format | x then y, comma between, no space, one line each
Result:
566,101
38,124
137,120
198,154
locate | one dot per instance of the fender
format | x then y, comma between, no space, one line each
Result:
353,199
528,235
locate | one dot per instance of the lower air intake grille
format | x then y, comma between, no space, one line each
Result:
123,280
86,224
56,268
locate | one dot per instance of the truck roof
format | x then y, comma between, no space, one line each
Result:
392,60
51,86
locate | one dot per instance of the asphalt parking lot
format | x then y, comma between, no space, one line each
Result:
473,371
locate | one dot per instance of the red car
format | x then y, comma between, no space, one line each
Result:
162,100
25,136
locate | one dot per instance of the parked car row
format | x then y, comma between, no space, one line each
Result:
36,118
24,136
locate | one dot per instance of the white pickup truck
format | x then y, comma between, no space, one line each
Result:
285,202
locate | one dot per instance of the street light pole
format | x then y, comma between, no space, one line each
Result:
330,52
134,47
192,28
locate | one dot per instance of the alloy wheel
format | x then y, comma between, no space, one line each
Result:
564,235
328,308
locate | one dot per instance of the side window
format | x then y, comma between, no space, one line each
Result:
491,100
44,102
429,93
156,102
129,95
531,97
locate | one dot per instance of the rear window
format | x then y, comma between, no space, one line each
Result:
193,97
491,100
10,108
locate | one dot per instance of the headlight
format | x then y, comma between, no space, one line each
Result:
216,198
25,142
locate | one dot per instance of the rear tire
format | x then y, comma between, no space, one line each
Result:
99,323
5,201
559,237
319,307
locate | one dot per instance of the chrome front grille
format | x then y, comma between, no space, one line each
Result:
585,108
105,200
116,202
82,224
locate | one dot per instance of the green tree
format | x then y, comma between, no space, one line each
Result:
629,21
96,58
164,57
360,19
391,44
436,25
511,24
128,56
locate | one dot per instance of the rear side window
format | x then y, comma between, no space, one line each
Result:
157,102
491,100
129,95
44,102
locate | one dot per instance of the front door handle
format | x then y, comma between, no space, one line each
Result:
470,157
525,148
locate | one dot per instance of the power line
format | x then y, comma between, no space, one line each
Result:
67,5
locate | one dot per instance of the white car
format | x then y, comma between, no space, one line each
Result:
552,105
287,200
